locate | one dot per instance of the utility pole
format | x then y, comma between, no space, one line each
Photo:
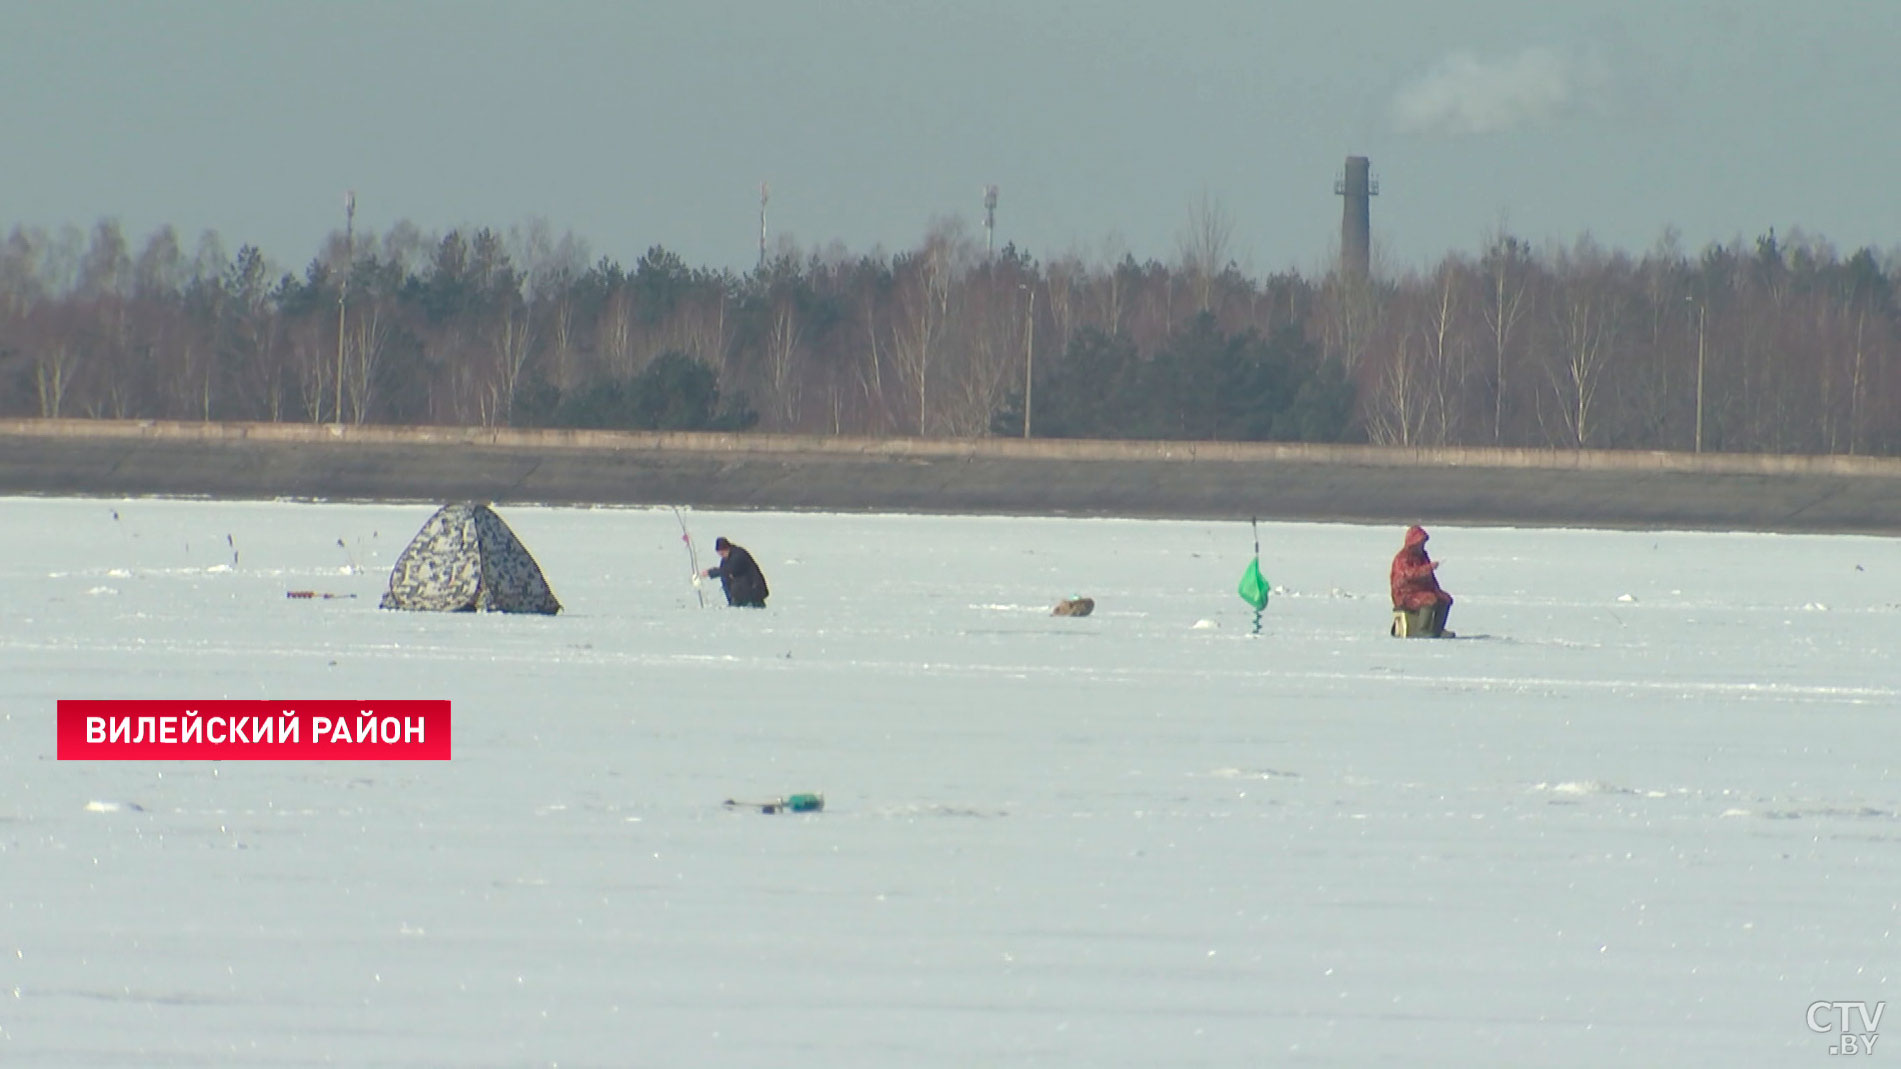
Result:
1029,359
343,287
1702,310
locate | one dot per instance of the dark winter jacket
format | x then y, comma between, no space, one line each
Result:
1414,584
740,577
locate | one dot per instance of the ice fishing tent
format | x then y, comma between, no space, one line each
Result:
465,559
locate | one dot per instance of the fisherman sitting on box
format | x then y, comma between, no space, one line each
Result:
1419,606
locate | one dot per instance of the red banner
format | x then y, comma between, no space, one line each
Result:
328,730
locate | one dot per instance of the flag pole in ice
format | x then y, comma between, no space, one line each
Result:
1253,588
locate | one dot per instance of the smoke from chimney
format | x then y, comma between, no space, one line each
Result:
1465,95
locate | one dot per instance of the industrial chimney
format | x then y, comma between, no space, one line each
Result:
1358,186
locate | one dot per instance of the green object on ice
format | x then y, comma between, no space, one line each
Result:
1253,589
791,803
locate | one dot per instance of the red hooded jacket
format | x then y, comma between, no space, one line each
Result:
1414,585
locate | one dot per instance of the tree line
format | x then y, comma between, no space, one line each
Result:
1771,346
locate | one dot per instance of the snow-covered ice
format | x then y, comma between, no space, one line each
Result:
1643,812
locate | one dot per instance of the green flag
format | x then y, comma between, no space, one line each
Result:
1253,588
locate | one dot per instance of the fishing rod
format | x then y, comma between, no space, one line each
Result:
692,557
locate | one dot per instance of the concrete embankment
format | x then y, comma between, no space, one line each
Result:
1010,476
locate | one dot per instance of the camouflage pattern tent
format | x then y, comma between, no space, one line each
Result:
465,559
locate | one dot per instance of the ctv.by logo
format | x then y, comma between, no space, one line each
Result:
1825,1016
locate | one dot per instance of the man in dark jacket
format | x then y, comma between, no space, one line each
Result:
1415,586
739,576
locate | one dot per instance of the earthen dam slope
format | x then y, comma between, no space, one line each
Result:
1188,480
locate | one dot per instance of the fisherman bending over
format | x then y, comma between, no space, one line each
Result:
739,576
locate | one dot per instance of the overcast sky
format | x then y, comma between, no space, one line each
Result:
654,121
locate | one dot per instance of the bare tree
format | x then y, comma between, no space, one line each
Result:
1584,337
703,326
1111,290
870,370
1505,270
785,334
159,272
310,355
991,352
52,375
550,267
369,340
1448,350
1397,413
511,339
1204,247
21,286
926,288
616,332
563,335
1061,280
106,269
1857,388
1352,310
60,257
48,337
406,248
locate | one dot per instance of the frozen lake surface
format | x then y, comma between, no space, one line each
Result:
1644,812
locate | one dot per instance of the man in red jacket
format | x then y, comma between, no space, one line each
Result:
1414,584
